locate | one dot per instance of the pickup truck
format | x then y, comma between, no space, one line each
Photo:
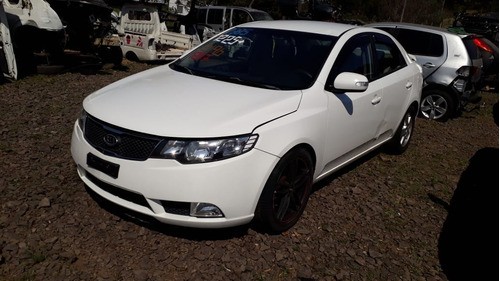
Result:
146,37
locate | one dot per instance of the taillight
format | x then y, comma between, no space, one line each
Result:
482,45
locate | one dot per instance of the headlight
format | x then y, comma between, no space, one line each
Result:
200,151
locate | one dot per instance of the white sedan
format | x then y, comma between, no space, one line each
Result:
241,127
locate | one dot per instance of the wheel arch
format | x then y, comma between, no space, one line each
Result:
264,213
433,87
307,147
414,107
454,96
131,55
309,150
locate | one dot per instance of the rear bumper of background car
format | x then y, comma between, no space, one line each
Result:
164,189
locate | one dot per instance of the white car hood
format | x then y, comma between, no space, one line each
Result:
164,102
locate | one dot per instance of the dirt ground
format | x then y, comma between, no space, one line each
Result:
429,214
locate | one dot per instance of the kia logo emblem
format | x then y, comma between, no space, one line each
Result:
111,140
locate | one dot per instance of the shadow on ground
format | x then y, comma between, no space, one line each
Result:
468,243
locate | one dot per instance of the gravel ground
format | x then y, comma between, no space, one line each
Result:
430,214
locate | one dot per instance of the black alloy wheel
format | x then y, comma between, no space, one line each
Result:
286,192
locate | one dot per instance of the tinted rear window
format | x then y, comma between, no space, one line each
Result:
418,42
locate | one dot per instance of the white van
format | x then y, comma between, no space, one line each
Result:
220,18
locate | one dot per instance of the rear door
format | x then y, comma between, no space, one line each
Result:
429,48
7,59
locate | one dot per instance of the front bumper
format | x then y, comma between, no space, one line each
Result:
157,187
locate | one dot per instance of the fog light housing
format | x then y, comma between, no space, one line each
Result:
205,210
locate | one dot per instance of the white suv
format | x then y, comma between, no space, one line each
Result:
451,63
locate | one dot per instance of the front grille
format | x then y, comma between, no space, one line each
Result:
122,193
131,145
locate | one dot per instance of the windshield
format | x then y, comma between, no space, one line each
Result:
266,58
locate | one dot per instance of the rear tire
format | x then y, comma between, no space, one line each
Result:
286,192
131,56
401,139
437,105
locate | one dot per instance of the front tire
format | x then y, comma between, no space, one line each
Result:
437,105
286,192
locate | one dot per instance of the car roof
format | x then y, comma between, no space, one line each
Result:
320,27
421,27
405,24
230,7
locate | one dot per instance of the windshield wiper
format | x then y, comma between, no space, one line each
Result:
248,83
182,68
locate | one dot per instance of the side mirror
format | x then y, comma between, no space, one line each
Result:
349,82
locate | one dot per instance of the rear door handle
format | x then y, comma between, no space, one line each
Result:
376,100
408,85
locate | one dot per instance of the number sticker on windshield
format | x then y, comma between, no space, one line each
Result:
230,39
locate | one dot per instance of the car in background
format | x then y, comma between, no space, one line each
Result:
489,55
220,18
240,128
452,66
485,24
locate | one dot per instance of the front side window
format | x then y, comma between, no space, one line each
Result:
267,58
355,56
388,57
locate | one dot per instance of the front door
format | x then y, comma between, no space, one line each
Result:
353,117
